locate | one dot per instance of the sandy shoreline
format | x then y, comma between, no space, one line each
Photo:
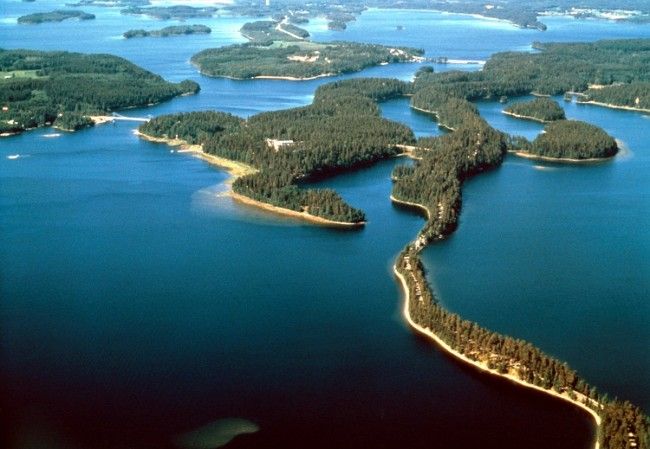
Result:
101,119
269,77
292,78
292,213
613,106
234,169
563,160
525,117
483,366
238,169
410,204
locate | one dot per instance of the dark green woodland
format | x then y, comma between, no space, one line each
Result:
39,88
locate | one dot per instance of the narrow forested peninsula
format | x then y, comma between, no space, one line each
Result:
434,185
176,30
40,88
55,16
541,109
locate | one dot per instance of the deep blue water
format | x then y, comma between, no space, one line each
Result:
138,304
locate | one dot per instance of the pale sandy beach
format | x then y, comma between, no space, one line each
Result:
525,117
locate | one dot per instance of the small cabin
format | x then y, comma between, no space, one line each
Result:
277,145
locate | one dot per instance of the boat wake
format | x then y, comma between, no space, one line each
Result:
544,168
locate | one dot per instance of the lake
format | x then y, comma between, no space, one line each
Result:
139,303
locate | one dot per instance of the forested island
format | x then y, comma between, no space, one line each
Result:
176,30
541,109
63,89
297,60
570,140
179,12
55,16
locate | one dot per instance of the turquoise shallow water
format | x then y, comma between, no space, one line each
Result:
138,305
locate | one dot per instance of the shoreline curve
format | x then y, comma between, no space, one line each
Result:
563,160
238,169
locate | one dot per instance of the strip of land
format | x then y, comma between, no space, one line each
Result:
614,106
525,117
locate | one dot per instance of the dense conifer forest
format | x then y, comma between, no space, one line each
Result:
557,68
337,132
39,88
633,95
541,109
571,139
